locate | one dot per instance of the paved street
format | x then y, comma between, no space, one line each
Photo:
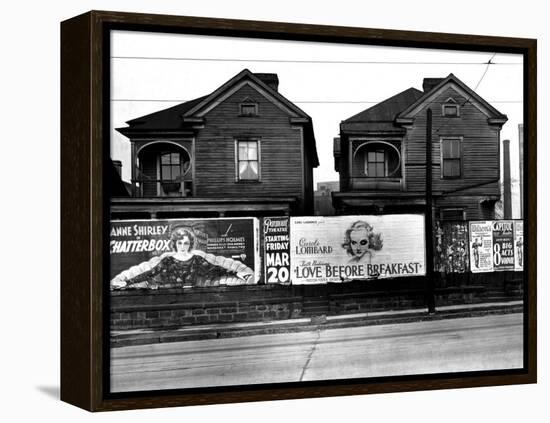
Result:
452,345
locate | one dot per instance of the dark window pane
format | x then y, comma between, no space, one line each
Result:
165,158
176,171
451,168
371,156
446,146
248,109
448,169
165,174
455,149
175,158
455,166
450,110
451,148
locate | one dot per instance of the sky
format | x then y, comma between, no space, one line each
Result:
330,82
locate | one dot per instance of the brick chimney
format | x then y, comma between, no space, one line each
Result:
270,79
430,83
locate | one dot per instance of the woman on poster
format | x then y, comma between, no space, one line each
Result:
359,242
184,266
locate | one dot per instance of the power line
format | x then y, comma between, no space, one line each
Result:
339,62
488,64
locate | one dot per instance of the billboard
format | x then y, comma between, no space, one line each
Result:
276,241
342,248
180,253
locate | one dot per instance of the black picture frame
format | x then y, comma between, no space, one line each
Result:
85,215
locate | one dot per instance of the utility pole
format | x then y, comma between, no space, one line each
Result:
507,182
428,223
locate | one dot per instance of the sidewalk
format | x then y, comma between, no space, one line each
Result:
229,330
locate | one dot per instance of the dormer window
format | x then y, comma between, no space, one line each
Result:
248,109
450,108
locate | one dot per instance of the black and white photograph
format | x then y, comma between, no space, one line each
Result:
273,212
284,212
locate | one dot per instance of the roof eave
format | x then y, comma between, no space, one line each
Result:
132,132
405,114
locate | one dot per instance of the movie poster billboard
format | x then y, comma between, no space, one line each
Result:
182,253
276,239
481,246
518,243
503,245
451,247
343,248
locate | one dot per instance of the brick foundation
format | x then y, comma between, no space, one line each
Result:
171,308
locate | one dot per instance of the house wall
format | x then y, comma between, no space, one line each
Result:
480,149
280,147
473,206
309,201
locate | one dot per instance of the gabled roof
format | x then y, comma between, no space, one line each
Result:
387,109
184,116
401,108
166,119
244,75
381,117
471,96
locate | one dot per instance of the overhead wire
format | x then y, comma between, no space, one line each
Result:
336,62
488,64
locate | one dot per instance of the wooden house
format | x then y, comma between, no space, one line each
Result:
381,154
243,149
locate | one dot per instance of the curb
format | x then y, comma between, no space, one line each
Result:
232,330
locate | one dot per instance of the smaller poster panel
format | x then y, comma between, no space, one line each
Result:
503,245
518,243
481,246
276,235
451,247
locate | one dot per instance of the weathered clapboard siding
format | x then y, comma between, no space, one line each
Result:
308,200
280,148
473,206
480,148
